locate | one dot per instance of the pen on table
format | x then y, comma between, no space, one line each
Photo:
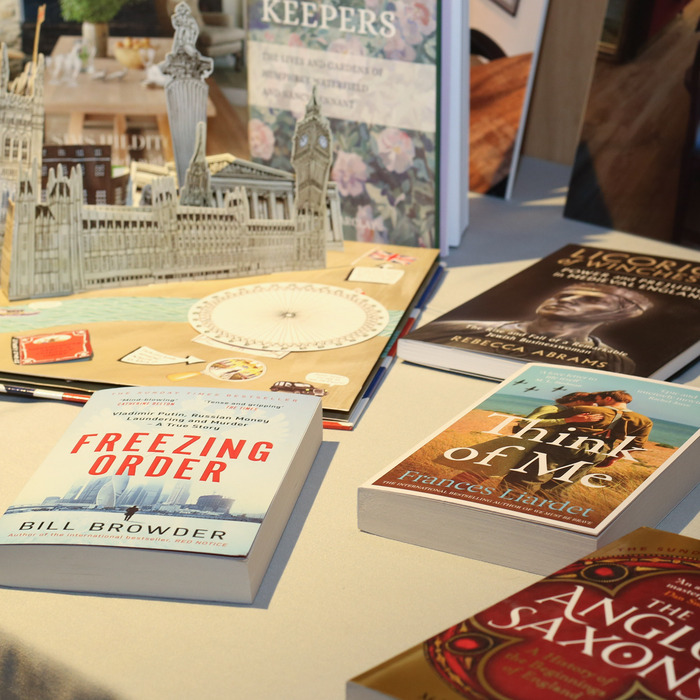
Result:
12,390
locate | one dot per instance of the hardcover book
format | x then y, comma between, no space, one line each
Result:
163,492
580,306
375,67
326,332
621,622
553,462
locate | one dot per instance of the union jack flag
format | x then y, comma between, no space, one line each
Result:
391,257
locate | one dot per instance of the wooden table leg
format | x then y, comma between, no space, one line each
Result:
76,122
120,153
166,142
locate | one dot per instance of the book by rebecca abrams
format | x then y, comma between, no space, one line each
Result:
553,463
163,492
622,622
375,68
581,306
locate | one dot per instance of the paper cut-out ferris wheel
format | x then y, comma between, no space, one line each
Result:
289,316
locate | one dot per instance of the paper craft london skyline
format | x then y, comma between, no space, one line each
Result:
61,246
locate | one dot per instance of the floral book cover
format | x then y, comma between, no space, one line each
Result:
620,623
570,448
179,469
580,306
374,65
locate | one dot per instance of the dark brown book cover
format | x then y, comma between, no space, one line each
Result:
579,307
623,622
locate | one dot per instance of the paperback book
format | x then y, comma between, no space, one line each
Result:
375,66
580,306
553,462
163,492
621,622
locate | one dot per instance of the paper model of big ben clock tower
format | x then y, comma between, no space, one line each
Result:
312,152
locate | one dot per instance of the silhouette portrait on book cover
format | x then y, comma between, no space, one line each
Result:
568,318
130,512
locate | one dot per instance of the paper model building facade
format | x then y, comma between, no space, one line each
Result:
21,125
62,246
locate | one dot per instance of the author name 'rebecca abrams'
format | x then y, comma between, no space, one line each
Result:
522,450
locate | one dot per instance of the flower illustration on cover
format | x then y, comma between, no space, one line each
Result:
373,63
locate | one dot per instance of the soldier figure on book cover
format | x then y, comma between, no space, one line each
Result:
603,416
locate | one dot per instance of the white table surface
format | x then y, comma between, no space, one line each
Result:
335,601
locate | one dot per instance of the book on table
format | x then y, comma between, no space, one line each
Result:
324,332
551,463
163,492
393,79
580,306
620,622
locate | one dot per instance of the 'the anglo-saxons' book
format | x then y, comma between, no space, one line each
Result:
165,492
375,69
579,307
622,622
551,464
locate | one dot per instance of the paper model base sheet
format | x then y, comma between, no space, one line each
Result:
319,332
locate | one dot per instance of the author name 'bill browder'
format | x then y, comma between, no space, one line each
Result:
197,533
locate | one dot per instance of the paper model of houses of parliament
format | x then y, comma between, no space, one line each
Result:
251,220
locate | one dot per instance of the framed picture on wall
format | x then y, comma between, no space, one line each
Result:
510,6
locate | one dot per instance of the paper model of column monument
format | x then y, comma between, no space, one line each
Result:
186,93
62,246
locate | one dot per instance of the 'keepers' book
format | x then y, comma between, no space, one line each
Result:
578,307
393,80
551,464
164,492
621,622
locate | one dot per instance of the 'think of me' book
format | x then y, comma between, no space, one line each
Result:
553,463
580,306
621,622
163,492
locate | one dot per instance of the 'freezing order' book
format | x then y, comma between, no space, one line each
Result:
619,623
174,493
551,464
578,307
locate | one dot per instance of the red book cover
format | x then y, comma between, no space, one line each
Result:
51,347
623,622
